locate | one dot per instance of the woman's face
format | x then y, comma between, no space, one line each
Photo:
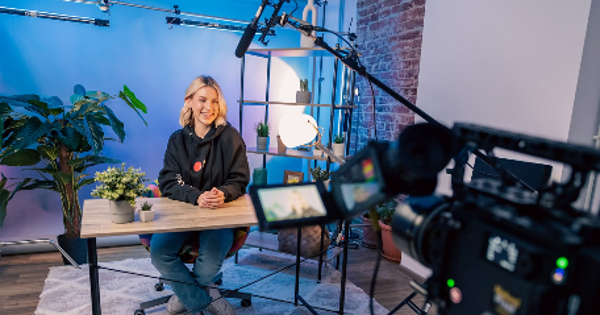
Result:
204,105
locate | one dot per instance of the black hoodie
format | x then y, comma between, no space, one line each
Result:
193,165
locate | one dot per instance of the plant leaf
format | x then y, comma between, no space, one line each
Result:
97,95
126,100
48,152
84,182
13,101
5,109
116,125
91,130
32,131
26,157
70,138
134,100
4,198
42,184
26,98
75,98
38,107
53,102
79,89
62,178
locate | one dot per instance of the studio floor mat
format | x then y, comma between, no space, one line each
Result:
67,292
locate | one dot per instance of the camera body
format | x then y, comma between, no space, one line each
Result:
496,247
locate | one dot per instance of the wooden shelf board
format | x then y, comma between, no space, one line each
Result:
290,52
259,103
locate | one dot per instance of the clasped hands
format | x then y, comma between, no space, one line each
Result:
213,198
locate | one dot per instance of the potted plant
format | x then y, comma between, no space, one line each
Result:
120,186
303,96
262,135
146,212
386,212
317,152
338,145
320,175
60,142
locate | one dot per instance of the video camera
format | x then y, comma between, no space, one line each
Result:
494,246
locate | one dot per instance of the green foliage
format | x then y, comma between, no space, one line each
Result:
338,138
65,139
146,206
386,211
320,175
304,85
262,129
120,184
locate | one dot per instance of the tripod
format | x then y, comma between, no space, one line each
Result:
408,301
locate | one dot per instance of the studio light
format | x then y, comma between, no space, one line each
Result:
54,16
300,129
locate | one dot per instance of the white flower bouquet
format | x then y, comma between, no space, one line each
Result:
120,184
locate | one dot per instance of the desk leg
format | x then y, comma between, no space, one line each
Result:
94,282
297,287
344,265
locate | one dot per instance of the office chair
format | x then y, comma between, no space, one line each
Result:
188,254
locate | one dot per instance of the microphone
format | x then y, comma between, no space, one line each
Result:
250,31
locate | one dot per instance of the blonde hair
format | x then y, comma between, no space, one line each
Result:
186,115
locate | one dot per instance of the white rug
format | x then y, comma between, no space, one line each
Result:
67,292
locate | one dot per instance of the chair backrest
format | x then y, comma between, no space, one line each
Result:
189,251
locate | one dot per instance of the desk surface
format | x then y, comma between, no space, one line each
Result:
169,216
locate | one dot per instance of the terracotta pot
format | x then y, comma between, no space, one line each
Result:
369,235
389,250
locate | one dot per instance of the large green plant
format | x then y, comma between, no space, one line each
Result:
60,142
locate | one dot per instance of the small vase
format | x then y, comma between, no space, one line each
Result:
281,148
259,177
262,143
338,149
146,215
303,97
318,153
121,211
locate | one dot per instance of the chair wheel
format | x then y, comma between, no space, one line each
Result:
246,303
158,287
219,282
139,312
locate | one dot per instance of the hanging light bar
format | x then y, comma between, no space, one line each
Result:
216,26
54,16
175,10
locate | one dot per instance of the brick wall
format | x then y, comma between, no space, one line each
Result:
389,37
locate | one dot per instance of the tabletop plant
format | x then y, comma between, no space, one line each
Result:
146,206
338,138
120,184
386,211
60,142
304,85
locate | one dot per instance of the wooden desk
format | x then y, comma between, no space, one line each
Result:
170,216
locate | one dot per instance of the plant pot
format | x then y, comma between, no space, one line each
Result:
281,148
146,215
121,211
338,149
262,143
318,153
389,249
303,97
77,248
369,235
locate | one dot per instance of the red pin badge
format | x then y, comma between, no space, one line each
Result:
197,166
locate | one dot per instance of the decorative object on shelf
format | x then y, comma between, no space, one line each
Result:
259,176
386,212
281,148
120,186
303,96
262,135
146,212
338,145
66,147
290,177
317,152
305,41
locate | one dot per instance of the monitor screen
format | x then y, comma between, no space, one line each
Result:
291,202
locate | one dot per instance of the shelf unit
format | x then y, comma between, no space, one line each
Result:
296,52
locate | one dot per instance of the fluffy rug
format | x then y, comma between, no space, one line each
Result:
66,290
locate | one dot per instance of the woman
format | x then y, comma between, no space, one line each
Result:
205,164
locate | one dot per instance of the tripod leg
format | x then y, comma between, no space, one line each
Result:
399,306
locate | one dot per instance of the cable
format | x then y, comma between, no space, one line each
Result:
296,8
482,173
375,272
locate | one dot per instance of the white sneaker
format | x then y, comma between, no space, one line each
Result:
219,305
174,306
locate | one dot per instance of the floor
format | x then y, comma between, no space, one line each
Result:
22,277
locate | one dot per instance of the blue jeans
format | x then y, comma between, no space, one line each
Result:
214,246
